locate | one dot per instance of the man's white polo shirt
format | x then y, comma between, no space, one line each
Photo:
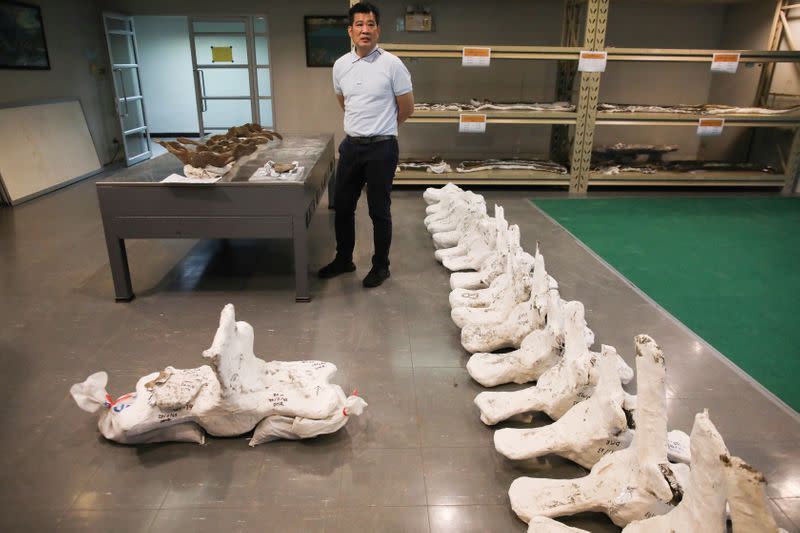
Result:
369,85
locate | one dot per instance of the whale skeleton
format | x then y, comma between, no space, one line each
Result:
628,484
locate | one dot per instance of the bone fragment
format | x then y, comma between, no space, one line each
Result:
570,381
479,247
470,220
746,489
539,351
523,318
542,524
627,485
231,396
586,432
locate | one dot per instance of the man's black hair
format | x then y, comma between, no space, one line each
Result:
364,7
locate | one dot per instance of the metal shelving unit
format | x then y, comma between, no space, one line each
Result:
583,89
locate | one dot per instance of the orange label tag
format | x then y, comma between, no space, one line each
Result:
725,62
476,57
471,123
592,61
710,126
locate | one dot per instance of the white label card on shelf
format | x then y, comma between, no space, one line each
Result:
476,57
725,62
592,61
471,123
710,126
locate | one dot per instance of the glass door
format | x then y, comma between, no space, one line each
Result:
124,58
262,69
224,72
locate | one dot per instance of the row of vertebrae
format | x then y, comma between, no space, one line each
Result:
502,297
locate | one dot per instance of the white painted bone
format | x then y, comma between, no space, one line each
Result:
747,498
236,393
443,200
702,507
715,477
586,432
460,212
627,485
470,220
496,311
447,219
444,208
523,318
520,278
434,195
478,249
542,524
540,350
494,265
571,380
481,235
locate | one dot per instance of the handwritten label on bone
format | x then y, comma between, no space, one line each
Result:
166,417
278,399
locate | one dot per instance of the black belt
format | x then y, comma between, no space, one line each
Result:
370,140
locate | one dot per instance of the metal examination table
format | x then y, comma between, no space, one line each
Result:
234,207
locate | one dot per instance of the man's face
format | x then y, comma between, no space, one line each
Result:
364,32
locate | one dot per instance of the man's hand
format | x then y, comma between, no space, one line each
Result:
340,97
405,106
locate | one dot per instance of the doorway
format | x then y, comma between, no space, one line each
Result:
230,61
202,75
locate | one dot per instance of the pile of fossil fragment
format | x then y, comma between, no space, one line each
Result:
236,392
503,298
220,150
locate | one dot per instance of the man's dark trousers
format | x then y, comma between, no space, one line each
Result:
373,164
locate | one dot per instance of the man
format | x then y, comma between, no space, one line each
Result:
374,90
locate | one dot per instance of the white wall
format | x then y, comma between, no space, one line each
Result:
78,69
166,71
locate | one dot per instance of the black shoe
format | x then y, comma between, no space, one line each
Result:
334,268
376,276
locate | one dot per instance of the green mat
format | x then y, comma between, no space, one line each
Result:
728,268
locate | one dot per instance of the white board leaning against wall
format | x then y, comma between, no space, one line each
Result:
45,146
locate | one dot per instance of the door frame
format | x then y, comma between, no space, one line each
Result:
252,64
118,101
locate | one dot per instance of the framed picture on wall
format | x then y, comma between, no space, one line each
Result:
22,43
326,39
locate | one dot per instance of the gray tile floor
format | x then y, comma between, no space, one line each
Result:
418,460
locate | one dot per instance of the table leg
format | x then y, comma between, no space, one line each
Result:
118,260
300,243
